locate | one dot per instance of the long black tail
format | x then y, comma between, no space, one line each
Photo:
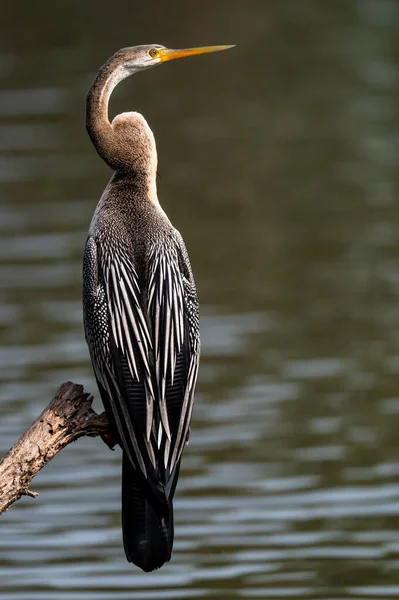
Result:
147,536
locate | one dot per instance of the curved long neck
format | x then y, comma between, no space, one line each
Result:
127,144
97,123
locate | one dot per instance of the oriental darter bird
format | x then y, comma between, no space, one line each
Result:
141,314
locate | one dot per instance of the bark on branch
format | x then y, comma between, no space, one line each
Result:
68,417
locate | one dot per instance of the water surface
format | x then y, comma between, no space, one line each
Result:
278,162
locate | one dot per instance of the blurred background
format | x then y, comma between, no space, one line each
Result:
278,162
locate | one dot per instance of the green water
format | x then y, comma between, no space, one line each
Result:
278,162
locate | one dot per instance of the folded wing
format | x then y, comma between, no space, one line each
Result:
143,335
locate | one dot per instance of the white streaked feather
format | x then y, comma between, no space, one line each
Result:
167,303
169,282
157,329
167,343
166,454
116,317
164,415
149,415
175,309
151,453
115,288
159,435
172,356
130,352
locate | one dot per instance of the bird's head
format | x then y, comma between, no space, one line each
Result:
139,58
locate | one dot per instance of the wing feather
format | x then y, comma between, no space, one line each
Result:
143,335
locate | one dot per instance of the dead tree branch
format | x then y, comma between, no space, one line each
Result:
68,417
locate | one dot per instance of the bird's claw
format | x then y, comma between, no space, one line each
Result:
109,439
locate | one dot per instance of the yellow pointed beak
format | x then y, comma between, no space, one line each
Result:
167,54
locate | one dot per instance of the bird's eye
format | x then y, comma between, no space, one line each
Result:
153,52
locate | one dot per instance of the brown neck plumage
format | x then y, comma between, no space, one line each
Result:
127,144
97,123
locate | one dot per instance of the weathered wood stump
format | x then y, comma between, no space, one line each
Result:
68,417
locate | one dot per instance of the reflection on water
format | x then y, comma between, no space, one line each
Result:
279,164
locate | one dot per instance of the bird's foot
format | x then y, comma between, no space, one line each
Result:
109,439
